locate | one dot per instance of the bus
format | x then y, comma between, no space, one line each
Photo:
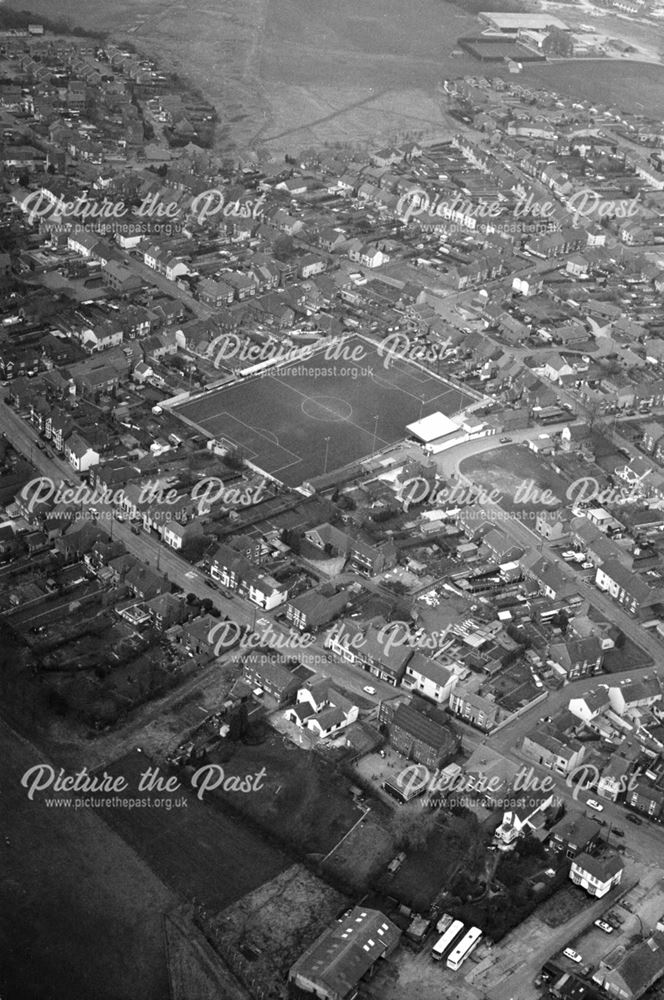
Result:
464,948
444,943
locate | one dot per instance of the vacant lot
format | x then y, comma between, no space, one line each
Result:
519,474
281,422
302,799
273,925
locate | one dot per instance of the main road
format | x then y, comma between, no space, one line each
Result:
191,579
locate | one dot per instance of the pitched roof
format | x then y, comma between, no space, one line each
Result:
641,966
346,951
600,868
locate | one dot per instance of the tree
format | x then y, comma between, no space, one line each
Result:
531,847
191,598
561,621
284,248
412,829
234,459
558,42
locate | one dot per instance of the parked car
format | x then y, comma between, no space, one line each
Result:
396,863
603,926
594,804
618,832
369,690
572,955
634,819
506,440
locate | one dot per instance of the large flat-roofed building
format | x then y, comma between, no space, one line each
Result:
511,24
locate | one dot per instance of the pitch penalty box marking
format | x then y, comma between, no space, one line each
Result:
258,457
382,383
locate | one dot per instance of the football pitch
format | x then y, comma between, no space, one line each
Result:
305,419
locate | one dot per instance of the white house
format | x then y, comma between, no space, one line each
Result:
632,695
429,678
591,704
323,709
527,814
79,454
596,875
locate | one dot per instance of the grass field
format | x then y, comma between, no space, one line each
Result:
196,849
286,74
80,913
297,425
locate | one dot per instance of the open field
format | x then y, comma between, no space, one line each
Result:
80,914
196,848
281,422
287,74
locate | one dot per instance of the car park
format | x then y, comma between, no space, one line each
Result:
572,955
594,804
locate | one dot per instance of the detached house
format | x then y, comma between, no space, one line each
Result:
596,875
323,709
525,814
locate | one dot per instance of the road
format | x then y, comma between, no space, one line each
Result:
153,553
169,287
448,464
